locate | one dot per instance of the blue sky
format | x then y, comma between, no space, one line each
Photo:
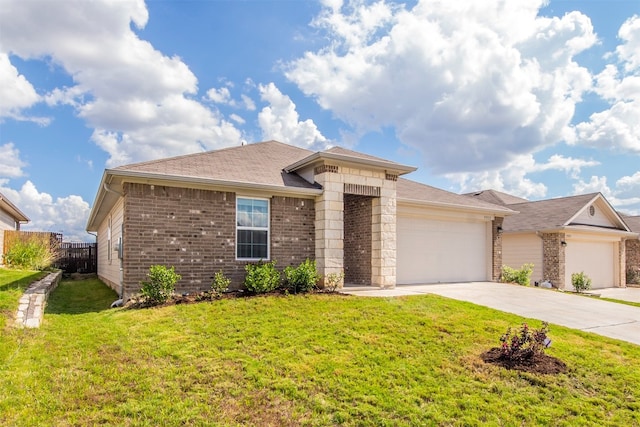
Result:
538,99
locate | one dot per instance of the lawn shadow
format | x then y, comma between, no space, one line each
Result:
21,282
88,295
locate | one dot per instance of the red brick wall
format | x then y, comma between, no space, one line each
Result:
357,239
194,231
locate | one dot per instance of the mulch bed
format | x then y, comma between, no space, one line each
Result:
135,303
538,364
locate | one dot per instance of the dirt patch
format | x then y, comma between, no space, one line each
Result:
538,364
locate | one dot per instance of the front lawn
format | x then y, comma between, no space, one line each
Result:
300,360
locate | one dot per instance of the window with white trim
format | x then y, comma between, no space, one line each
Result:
252,228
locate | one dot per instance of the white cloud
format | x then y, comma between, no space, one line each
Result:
10,163
624,196
280,121
471,84
618,127
220,96
138,100
513,179
16,93
66,215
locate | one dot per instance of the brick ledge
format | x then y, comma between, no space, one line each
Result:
31,308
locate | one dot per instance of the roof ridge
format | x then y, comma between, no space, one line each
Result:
200,153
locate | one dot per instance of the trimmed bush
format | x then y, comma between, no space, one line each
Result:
521,276
220,283
580,281
333,281
302,278
161,284
524,344
262,277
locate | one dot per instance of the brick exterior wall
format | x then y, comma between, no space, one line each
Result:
194,231
554,259
496,247
292,230
357,239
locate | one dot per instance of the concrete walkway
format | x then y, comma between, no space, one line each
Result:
589,314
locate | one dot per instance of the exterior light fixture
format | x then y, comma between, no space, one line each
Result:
499,229
563,243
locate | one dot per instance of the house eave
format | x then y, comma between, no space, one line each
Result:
13,210
585,230
454,206
116,178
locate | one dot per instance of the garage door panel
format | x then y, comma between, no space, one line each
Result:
439,251
596,259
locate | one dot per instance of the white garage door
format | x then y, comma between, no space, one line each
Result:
596,259
438,251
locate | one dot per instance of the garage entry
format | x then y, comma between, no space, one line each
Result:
441,251
596,259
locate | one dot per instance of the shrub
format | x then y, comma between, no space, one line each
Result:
333,281
302,278
30,253
220,283
262,277
161,284
521,277
524,344
580,281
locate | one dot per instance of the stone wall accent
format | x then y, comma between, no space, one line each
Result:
496,248
632,255
553,254
31,306
194,230
357,239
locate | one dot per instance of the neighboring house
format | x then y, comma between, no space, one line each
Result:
563,236
10,219
351,212
633,245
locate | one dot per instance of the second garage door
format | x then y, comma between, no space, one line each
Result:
441,251
596,259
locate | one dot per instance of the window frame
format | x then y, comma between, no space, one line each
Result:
252,228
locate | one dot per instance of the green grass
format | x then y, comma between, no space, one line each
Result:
12,285
300,360
619,301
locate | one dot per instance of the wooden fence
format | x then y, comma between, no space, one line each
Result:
67,256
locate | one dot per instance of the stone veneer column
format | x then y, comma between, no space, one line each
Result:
496,249
329,223
383,236
554,259
622,263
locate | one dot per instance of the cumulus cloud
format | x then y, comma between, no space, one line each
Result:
281,121
618,127
138,100
624,195
66,215
10,163
513,178
473,85
16,93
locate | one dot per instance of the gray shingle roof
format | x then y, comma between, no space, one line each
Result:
633,222
545,214
259,163
411,190
497,197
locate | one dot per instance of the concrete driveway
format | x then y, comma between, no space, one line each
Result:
589,314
